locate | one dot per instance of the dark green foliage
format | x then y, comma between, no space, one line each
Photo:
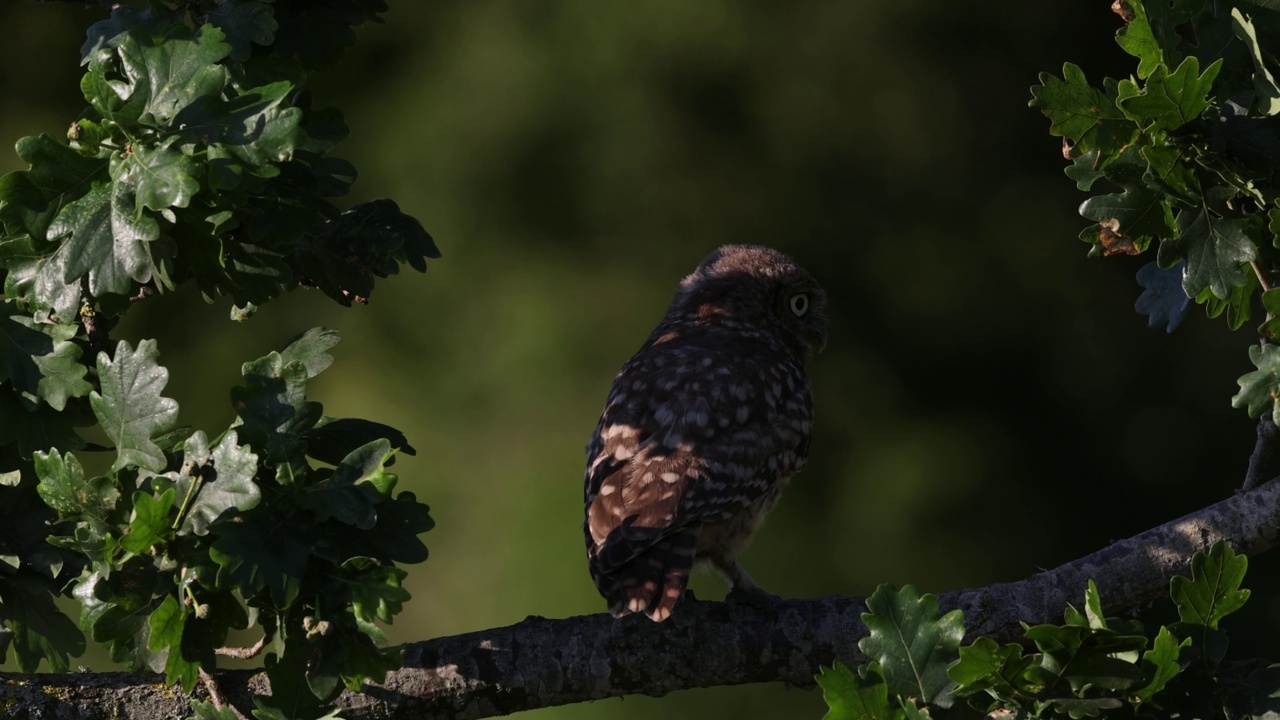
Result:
1192,142
198,159
1090,666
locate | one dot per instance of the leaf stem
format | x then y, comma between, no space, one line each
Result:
1262,278
197,477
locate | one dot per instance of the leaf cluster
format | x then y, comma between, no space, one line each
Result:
287,520
198,159
1190,147
1089,666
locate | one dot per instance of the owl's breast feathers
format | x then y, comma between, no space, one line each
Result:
698,428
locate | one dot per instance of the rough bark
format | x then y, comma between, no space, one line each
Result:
541,662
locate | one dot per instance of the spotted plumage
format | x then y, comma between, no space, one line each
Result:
702,429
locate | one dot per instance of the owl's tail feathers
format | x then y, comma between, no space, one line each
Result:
653,581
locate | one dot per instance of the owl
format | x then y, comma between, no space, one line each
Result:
702,430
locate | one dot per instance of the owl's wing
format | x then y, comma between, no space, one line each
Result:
640,545
651,490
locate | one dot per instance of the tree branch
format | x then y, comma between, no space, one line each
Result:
540,662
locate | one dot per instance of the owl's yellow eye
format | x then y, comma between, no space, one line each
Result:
800,304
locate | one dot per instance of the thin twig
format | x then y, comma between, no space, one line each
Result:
243,653
211,686
1262,278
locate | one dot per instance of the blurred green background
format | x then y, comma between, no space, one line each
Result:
989,404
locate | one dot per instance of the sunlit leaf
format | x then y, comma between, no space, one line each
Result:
1079,112
130,407
850,697
912,645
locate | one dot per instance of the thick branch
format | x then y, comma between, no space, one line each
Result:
540,662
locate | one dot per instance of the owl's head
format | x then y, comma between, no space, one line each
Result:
760,288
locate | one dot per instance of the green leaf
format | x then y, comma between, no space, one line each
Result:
102,32
58,175
1169,100
911,644
1093,607
213,615
37,281
998,670
1271,304
1085,170
167,623
311,348
317,39
290,674
850,697
1084,707
1081,657
368,241
1170,170
1266,91
150,523
347,653
43,428
1138,40
208,711
40,359
332,440
105,239
161,177
1252,689
265,548
1162,18
393,539
1237,305
26,548
1162,663
272,407
1139,213
39,630
215,482
163,74
63,487
1214,248
376,593
225,265
256,128
1213,590
130,407
115,607
1260,389
244,22
350,493
1083,114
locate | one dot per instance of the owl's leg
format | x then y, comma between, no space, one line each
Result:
742,586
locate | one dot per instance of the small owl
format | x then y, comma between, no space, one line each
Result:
702,430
